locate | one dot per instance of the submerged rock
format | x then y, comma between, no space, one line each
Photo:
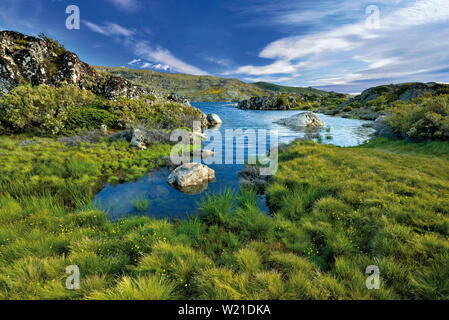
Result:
191,176
304,119
251,177
214,120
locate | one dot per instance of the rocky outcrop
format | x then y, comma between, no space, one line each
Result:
178,99
25,59
393,92
382,128
213,120
272,102
118,87
30,60
303,120
377,101
191,176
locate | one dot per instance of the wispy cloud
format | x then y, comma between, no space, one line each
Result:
403,47
149,56
163,56
109,29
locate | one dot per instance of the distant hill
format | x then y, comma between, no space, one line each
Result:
203,88
292,90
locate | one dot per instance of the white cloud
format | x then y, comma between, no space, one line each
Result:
268,79
278,67
165,57
162,67
109,29
135,61
411,41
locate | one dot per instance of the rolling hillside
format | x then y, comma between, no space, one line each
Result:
202,88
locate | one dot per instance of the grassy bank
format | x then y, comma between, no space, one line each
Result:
335,211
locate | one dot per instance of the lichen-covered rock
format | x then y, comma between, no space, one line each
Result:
25,59
191,175
30,60
119,87
138,139
304,120
178,99
383,129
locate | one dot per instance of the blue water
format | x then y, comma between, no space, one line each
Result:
168,202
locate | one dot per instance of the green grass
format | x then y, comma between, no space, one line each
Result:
142,204
335,212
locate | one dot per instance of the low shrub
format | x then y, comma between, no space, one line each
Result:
422,119
89,118
47,110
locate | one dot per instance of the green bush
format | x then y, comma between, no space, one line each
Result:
379,104
42,109
89,118
423,119
51,111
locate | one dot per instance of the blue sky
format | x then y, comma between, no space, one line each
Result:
341,45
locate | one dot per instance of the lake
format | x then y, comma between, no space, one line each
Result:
167,202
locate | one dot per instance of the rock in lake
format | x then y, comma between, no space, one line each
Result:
191,175
213,119
304,120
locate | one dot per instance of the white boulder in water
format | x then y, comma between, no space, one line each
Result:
191,175
304,119
214,120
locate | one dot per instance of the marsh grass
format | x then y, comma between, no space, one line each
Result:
142,204
334,212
